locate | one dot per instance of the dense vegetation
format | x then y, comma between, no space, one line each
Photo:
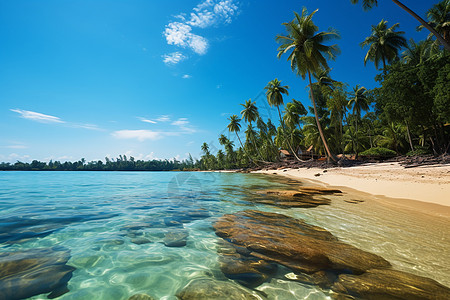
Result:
409,113
122,163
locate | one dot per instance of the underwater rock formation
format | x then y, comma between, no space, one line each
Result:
27,273
317,257
209,289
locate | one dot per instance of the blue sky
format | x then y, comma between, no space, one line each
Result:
155,79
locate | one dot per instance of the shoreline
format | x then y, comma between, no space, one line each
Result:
423,188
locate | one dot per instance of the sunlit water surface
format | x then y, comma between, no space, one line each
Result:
90,213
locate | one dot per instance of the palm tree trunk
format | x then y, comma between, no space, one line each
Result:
284,131
256,147
245,151
409,136
356,136
425,24
330,155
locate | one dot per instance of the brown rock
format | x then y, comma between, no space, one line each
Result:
209,289
294,243
390,284
141,297
27,273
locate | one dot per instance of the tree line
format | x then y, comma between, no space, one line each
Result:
409,113
122,163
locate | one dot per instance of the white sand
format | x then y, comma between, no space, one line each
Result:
429,184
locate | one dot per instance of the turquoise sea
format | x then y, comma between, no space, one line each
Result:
117,228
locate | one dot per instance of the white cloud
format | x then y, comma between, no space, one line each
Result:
38,117
42,118
211,12
173,58
179,34
147,120
141,135
184,125
180,122
186,76
205,14
86,126
163,118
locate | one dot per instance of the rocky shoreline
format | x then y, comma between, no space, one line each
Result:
253,241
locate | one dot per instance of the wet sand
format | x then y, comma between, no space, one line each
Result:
425,188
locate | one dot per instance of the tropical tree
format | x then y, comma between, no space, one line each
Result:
368,4
417,53
308,54
274,93
384,44
250,114
205,148
358,102
439,18
235,126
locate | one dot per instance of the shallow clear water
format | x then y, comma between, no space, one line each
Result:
97,215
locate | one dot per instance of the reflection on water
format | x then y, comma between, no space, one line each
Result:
151,233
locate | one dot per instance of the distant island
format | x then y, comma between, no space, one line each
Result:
122,163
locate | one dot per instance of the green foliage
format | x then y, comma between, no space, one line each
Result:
419,150
379,152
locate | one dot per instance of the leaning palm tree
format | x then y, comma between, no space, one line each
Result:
358,102
368,4
308,54
384,44
417,53
439,18
235,126
274,93
250,114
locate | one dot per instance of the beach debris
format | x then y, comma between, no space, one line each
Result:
27,273
315,256
210,289
175,238
317,174
141,297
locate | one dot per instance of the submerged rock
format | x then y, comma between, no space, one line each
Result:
304,197
316,257
141,297
175,238
294,243
24,274
140,241
237,264
390,284
209,289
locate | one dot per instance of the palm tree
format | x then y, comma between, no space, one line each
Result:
359,102
307,53
235,126
384,44
250,114
417,53
439,18
368,4
205,149
274,93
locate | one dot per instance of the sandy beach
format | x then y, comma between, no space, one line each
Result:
425,188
